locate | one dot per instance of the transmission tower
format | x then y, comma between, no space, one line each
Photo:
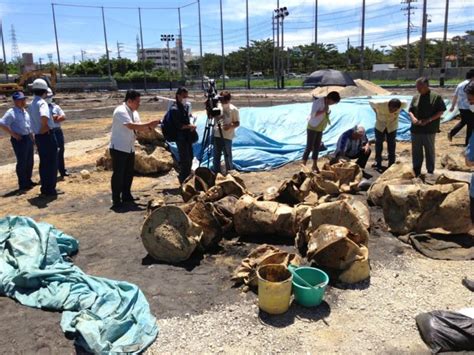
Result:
409,10
50,57
15,51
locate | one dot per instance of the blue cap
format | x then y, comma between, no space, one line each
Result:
18,96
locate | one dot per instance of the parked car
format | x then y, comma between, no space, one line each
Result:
225,77
293,75
257,74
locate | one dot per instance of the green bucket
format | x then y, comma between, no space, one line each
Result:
309,296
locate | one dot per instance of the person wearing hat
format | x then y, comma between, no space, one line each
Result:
58,116
42,123
353,144
16,123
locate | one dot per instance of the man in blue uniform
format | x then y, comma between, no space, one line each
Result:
42,123
58,116
16,123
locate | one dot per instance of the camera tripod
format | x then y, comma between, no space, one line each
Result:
209,145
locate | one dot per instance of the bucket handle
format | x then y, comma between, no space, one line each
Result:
292,268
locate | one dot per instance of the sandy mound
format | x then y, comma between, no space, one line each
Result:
363,88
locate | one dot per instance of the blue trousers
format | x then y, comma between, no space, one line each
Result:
24,160
58,133
48,168
221,144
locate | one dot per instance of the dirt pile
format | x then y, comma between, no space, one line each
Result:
363,88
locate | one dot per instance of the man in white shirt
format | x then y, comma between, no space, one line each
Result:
467,116
126,121
227,123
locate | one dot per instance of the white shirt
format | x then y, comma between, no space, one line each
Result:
37,109
463,104
56,110
314,119
123,138
230,114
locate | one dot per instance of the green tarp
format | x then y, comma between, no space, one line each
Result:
106,316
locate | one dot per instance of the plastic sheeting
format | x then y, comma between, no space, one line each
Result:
269,137
106,316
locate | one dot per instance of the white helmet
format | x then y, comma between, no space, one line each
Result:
50,93
39,84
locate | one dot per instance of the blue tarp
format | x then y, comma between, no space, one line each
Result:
106,316
269,137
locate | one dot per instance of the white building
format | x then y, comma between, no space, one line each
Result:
176,59
159,56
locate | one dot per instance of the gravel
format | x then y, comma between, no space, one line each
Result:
372,317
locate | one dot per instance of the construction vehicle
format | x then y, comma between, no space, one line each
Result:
22,82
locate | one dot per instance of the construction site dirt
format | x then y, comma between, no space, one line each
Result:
197,307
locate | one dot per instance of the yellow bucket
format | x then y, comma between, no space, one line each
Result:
274,288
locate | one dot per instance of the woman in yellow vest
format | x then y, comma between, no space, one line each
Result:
317,123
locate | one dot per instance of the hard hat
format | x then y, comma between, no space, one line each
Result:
50,93
39,84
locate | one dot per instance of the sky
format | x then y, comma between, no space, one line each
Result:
80,28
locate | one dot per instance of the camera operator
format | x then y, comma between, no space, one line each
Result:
186,133
228,122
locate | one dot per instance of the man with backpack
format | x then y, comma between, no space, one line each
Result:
177,128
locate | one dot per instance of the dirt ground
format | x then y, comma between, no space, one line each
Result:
197,307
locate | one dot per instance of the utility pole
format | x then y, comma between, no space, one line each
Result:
106,46
362,37
142,50
248,43
167,39
57,43
41,63
274,49
222,47
423,40
315,34
181,54
82,55
201,69
443,52
281,13
408,12
119,48
278,44
5,64
347,51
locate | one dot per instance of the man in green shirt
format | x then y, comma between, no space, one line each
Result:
425,112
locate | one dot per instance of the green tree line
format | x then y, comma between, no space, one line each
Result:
299,59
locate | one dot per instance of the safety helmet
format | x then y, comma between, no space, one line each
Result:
39,84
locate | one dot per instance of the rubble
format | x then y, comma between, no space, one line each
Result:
246,272
419,208
149,159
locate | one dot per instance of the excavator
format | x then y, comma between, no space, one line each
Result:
21,83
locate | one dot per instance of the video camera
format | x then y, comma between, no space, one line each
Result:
212,98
